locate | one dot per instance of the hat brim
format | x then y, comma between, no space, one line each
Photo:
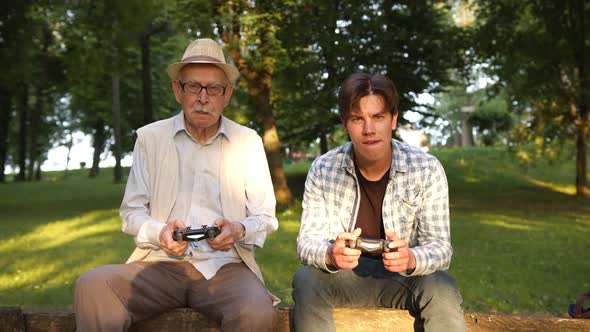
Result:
230,71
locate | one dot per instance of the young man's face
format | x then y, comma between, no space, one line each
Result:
201,110
370,128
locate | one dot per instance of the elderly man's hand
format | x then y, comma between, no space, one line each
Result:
231,232
168,244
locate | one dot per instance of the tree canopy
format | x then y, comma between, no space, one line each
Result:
99,67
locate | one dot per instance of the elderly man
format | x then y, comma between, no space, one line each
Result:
393,196
195,169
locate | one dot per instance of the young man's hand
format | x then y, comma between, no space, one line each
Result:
168,244
339,256
231,232
402,260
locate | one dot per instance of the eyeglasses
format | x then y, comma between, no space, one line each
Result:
196,88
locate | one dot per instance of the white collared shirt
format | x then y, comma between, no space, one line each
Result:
198,201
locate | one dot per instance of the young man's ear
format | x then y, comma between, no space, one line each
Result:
394,120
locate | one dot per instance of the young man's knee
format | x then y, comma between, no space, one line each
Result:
441,286
306,279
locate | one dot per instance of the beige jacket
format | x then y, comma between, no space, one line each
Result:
245,185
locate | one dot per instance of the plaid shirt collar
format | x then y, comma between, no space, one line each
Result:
399,161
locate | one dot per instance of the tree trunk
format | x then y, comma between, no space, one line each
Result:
259,82
466,131
583,115
99,140
69,145
118,171
22,133
323,143
581,148
38,173
146,79
456,137
272,146
34,134
146,70
116,108
5,117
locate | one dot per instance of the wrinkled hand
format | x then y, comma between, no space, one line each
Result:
168,244
401,260
231,232
339,255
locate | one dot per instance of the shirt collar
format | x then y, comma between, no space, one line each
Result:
179,125
399,156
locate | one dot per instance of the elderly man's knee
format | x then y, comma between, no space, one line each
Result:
93,280
259,312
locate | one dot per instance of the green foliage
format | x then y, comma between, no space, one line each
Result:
492,117
542,65
329,40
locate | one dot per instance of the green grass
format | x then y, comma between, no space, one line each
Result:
520,237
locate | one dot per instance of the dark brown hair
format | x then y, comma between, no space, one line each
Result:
359,85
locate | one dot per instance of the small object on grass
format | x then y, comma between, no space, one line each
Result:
577,311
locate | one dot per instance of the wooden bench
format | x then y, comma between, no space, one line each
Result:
347,319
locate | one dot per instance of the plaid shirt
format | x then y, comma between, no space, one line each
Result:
415,207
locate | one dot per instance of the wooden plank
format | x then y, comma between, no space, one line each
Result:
49,320
346,319
373,319
11,319
491,322
184,319
189,320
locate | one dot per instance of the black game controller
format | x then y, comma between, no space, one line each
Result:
189,234
370,246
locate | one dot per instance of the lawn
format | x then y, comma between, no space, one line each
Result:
520,236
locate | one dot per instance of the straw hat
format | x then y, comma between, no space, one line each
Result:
204,50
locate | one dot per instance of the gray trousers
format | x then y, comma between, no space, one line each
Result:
434,300
112,297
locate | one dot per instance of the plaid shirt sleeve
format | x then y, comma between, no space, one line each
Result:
432,242
312,240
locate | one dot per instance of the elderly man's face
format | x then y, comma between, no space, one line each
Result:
202,110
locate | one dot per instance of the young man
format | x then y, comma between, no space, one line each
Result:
196,168
378,188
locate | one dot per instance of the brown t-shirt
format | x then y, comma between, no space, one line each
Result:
370,218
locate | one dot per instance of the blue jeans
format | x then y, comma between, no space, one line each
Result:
433,300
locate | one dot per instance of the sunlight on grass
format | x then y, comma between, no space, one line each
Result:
507,225
516,222
557,187
51,256
278,259
60,232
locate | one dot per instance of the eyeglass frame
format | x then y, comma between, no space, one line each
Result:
182,84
